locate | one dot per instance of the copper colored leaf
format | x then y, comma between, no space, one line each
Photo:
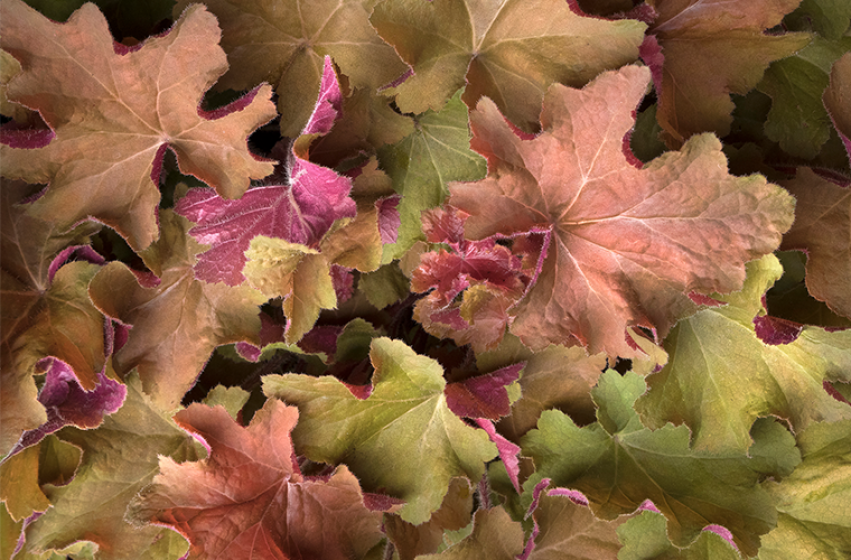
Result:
248,499
822,228
177,320
391,432
495,537
284,43
510,51
116,110
624,246
712,48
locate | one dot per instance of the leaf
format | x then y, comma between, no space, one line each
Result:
618,464
720,376
402,429
829,17
421,165
836,99
495,537
811,501
284,44
623,246
248,499
712,48
116,110
92,506
176,321
644,538
798,119
510,51
822,228
46,311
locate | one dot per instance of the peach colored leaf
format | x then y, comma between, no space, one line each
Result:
623,246
45,310
176,319
284,42
116,110
249,499
822,228
508,50
710,49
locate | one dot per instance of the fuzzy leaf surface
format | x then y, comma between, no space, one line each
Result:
176,321
248,499
510,51
114,111
625,245
92,506
284,43
402,438
822,228
712,48
644,538
720,376
618,463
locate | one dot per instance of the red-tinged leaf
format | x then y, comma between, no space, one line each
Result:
837,100
484,396
773,330
248,499
115,111
710,49
177,323
509,453
46,311
822,228
623,246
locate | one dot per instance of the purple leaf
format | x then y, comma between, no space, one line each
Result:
509,452
484,396
328,105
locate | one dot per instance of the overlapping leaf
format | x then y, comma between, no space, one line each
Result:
495,537
836,98
176,319
624,245
703,50
721,376
401,438
249,499
510,51
284,43
114,111
119,459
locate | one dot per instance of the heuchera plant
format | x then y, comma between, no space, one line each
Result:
397,279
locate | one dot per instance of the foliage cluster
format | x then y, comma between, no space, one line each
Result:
409,279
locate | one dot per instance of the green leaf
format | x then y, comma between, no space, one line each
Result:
813,502
402,438
720,376
829,17
495,537
231,398
423,163
644,538
617,471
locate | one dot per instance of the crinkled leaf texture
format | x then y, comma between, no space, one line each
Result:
402,438
248,499
720,376
114,111
618,464
624,246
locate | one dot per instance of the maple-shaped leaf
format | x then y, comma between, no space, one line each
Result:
390,434
720,376
836,98
617,464
811,502
822,228
249,499
46,311
798,120
644,537
421,165
119,458
176,320
510,51
623,246
284,43
495,537
701,51
114,112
